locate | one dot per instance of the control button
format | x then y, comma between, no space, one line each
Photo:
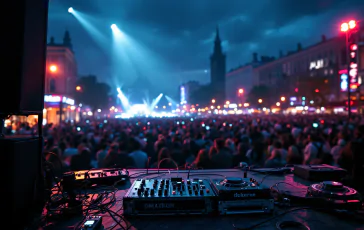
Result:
196,193
203,186
146,193
200,181
190,192
152,192
160,192
139,192
173,192
188,182
207,190
201,192
165,192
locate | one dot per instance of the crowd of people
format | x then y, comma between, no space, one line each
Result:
207,143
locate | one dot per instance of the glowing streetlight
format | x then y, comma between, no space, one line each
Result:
78,88
53,68
241,91
70,10
278,104
246,104
213,101
227,102
283,99
170,104
260,101
347,27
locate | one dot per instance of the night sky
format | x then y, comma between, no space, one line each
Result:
179,33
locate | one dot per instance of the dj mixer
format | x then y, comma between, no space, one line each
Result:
169,196
197,196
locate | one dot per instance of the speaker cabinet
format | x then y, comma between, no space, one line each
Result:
23,46
24,189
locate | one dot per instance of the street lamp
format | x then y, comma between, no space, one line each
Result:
278,104
213,101
283,99
53,68
347,28
78,88
227,102
260,101
241,91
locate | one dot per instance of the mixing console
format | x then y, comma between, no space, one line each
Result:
169,196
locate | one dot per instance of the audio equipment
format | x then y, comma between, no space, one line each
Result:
242,195
87,178
335,195
25,56
169,197
25,190
319,172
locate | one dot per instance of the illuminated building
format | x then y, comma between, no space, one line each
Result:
60,81
308,70
242,77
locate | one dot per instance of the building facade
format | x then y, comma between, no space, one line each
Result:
60,81
240,80
310,72
218,70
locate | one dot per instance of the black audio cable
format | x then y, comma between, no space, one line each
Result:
148,164
189,170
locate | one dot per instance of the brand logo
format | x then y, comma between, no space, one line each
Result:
159,206
237,195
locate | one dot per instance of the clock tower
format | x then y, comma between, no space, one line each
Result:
218,70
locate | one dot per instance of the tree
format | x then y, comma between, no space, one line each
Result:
93,93
262,92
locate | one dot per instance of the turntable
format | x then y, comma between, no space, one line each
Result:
242,195
335,195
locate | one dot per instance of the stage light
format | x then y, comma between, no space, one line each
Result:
114,27
70,10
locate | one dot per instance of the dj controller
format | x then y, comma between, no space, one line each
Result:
169,196
229,196
221,196
197,196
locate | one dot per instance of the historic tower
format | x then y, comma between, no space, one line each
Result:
218,70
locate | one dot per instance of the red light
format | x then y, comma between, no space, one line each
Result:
352,24
296,90
322,121
317,90
353,47
53,68
352,54
344,27
353,86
